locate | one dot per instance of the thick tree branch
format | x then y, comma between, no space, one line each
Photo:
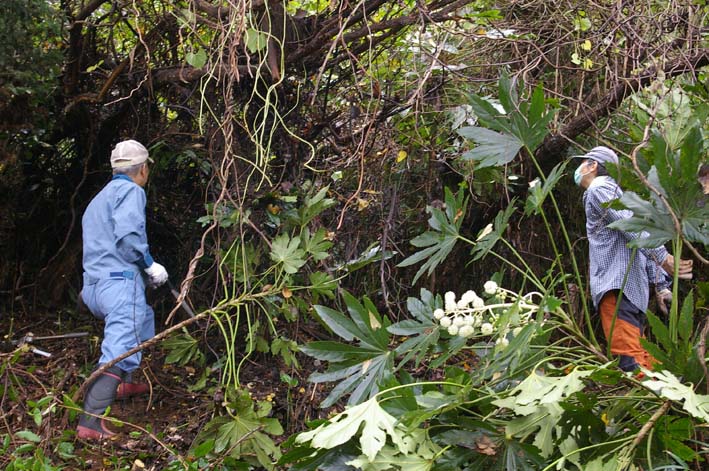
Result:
551,151
89,9
190,74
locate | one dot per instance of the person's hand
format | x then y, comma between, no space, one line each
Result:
685,267
157,275
664,301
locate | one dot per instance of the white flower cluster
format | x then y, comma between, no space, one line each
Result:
470,315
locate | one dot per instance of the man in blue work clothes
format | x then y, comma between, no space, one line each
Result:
614,266
116,255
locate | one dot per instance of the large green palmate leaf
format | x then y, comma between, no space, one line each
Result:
418,454
502,134
670,387
286,251
536,399
538,192
245,433
360,368
674,175
646,218
438,242
493,148
376,425
422,332
486,242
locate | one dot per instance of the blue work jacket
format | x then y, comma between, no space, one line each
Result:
113,226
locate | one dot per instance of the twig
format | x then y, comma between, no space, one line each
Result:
650,423
138,348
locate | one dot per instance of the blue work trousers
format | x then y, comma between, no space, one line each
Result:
120,303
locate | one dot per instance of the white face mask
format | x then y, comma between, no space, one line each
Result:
578,175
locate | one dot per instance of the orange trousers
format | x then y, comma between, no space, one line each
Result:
624,332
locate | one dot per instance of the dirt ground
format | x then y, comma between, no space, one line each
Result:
170,417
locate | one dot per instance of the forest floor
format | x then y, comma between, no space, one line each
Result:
168,419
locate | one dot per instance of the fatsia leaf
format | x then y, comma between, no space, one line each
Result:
668,386
500,135
485,244
544,420
488,115
336,352
540,389
418,455
440,241
537,399
316,244
339,324
492,149
685,318
361,368
660,331
376,425
538,193
284,250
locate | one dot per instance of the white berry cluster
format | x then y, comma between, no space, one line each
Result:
471,315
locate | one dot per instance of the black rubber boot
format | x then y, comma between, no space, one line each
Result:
99,396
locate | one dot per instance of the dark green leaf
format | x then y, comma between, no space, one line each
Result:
204,448
660,331
338,323
336,352
686,318
493,148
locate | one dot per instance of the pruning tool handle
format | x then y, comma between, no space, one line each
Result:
176,295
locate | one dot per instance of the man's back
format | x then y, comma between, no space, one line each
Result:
113,228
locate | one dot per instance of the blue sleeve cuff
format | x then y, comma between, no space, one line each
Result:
146,261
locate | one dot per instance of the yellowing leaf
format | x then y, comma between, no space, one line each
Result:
485,231
374,322
286,293
362,204
586,46
587,63
401,156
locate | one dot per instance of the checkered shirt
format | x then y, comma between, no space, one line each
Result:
608,250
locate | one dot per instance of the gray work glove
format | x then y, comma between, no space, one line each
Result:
157,275
664,301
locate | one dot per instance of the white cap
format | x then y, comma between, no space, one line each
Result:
127,153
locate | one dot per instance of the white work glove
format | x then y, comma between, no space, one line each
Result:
664,301
157,275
